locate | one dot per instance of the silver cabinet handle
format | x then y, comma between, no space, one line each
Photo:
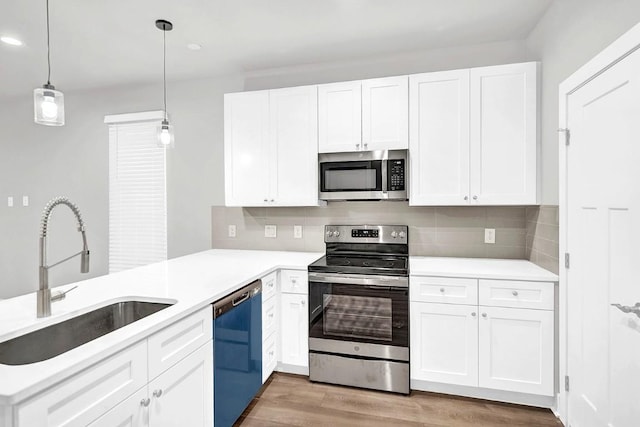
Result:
301,302
157,393
514,293
475,197
484,314
272,200
365,145
635,309
466,197
357,146
442,290
473,314
145,402
266,200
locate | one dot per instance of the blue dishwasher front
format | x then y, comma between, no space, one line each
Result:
237,349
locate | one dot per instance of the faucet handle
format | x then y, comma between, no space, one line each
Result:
60,295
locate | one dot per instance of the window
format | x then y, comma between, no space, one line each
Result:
137,191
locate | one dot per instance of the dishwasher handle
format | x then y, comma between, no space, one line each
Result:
238,297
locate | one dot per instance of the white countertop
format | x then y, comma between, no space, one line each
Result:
191,282
480,268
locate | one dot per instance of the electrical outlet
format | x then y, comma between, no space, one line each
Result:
232,231
270,231
25,200
10,201
490,235
297,232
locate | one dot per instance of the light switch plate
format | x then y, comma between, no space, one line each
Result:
490,235
232,230
10,201
270,231
297,232
25,200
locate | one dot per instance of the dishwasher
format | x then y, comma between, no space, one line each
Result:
237,352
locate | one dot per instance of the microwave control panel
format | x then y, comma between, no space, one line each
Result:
395,175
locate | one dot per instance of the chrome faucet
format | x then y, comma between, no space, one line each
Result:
44,293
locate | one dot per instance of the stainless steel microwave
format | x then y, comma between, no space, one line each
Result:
363,175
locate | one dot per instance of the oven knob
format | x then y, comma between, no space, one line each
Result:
402,234
394,234
336,233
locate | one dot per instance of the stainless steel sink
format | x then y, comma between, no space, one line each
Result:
56,339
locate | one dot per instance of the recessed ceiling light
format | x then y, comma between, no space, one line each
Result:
11,40
194,46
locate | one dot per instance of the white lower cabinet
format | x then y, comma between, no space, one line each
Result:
490,347
294,330
444,343
130,413
270,325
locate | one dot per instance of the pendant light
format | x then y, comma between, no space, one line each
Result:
48,103
165,130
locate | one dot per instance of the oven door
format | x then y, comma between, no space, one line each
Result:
359,315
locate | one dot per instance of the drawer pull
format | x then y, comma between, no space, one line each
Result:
484,315
514,293
473,314
145,402
157,393
442,290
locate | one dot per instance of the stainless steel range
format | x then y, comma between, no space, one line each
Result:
359,308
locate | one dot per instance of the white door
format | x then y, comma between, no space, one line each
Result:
294,331
385,113
603,217
293,146
503,134
130,413
340,117
516,350
246,132
439,138
183,395
444,343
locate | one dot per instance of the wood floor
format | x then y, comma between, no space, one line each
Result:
291,400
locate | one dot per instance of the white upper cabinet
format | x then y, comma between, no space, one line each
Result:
473,136
385,113
439,143
363,115
504,134
339,117
271,147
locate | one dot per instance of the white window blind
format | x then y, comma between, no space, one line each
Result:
137,195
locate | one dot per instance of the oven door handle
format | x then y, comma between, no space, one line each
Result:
360,279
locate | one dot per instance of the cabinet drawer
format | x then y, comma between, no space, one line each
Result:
170,345
294,281
444,290
516,294
269,285
81,399
269,356
269,317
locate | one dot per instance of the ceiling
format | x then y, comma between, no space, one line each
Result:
99,43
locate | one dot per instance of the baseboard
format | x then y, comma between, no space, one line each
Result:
485,393
293,369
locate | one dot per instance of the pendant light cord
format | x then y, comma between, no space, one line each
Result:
48,49
164,69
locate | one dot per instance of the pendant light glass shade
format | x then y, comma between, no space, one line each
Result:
48,103
48,106
165,134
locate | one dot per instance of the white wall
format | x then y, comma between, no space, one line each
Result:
569,34
43,162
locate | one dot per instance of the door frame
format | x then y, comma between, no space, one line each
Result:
614,53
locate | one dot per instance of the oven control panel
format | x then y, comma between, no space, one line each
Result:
366,234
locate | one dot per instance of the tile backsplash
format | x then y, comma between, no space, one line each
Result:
542,245
521,232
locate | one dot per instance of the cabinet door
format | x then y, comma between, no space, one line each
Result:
246,132
444,343
293,147
439,138
183,395
339,117
294,330
516,350
504,134
130,413
385,113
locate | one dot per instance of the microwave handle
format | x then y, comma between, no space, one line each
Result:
385,178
